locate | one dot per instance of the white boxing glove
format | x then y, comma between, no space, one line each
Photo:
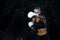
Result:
31,14
30,24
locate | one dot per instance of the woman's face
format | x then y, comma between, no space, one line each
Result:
38,11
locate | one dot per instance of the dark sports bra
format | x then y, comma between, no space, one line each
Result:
39,25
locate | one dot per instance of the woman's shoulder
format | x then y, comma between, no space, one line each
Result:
42,16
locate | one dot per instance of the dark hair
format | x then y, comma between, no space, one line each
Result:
37,7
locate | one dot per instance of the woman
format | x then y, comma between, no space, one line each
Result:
38,24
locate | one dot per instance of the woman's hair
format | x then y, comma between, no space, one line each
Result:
37,7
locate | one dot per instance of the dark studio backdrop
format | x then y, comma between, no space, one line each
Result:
13,17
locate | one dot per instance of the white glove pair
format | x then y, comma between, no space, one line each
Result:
30,15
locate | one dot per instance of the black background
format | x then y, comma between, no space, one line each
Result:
13,17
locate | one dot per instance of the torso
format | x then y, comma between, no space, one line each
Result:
39,24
